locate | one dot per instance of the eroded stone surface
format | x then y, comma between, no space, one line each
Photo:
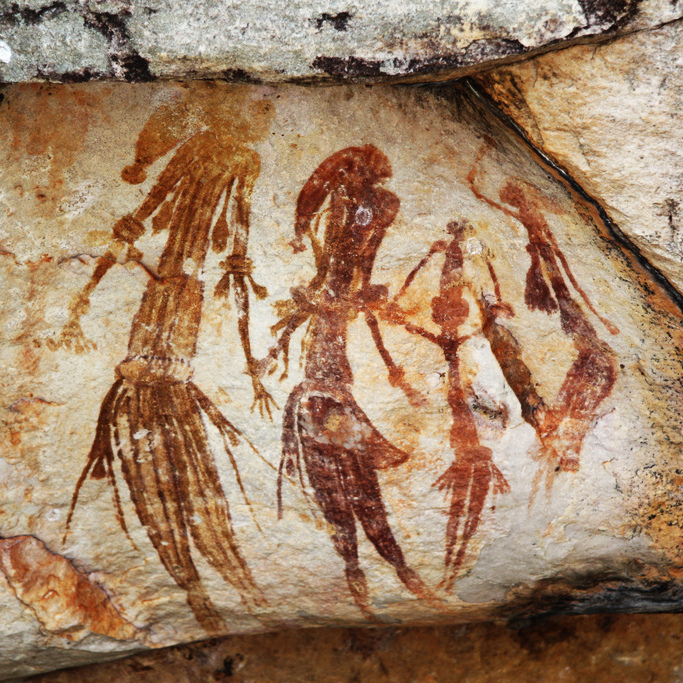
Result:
481,412
610,115
65,601
268,41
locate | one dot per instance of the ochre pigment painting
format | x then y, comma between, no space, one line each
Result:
282,357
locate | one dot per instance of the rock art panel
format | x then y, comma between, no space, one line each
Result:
276,357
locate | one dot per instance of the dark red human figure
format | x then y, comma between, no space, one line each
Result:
323,425
592,375
473,473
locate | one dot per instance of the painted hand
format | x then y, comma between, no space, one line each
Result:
262,399
72,338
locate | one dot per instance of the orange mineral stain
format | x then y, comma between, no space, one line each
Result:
64,600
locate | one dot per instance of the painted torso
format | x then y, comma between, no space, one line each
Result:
189,200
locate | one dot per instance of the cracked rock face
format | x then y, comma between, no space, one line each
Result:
266,41
279,357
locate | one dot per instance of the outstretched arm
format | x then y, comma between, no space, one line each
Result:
300,310
125,232
474,172
72,337
436,248
500,308
612,329
393,313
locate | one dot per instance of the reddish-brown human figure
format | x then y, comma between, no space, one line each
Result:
323,425
473,474
590,379
154,419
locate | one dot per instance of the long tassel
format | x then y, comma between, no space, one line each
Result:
291,447
214,536
145,449
203,510
290,462
158,434
228,432
468,480
100,460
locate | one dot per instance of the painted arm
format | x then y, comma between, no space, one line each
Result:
612,329
238,267
397,375
437,248
472,178
297,311
72,336
500,308
125,231
393,313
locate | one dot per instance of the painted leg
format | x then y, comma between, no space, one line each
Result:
324,467
361,479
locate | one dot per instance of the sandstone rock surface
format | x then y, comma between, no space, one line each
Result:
277,357
610,114
71,41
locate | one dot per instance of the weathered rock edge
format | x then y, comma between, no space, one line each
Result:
68,41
